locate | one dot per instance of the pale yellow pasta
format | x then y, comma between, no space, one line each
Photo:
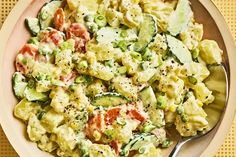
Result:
196,118
34,129
65,138
60,99
198,70
125,87
192,36
99,150
172,85
51,120
203,93
100,71
150,151
210,52
24,109
160,9
46,144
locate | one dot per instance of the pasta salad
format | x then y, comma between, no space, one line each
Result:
105,78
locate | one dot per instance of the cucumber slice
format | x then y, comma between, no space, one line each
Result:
109,99
19,85
32,95
33,25
179,49
147,32
137,142
47,12
148,97
180,18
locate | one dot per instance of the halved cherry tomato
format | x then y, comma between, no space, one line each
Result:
29,50
79,44
59,19
53,36
80,34
94,124
78,30
111,115
137,115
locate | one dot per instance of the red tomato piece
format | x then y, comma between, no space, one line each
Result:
115,146
94,124
137,115
80,34
53,36
78,30
111,115
29,50
59,19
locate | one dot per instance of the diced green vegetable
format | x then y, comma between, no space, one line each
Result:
100,20
68,45
137,143
148,127
123,45
124,33
180,110
148,96
161,102
92,27
45,49
82,65
192,80
122,70
136,56
165,143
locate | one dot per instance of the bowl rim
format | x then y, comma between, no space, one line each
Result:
228,39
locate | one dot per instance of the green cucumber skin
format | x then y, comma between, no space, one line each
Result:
98,100
141,45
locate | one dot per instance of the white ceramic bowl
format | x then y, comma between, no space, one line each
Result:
13,35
